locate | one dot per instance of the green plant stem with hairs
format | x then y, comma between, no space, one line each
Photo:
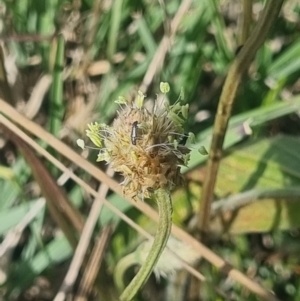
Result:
163,199
238,68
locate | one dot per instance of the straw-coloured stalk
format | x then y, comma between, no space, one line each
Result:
145,148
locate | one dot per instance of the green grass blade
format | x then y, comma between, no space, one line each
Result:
114,28
57,108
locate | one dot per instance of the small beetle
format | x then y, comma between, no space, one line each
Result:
134,132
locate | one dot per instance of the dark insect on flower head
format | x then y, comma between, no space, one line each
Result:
134,132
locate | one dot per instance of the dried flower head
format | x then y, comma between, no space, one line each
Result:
144,146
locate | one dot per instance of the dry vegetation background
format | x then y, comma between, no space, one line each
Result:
64,223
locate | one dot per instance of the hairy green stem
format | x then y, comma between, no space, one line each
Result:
164,204
234,77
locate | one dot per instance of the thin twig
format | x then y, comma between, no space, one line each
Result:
93,266
234,77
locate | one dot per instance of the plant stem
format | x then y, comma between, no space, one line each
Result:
246,21
122,266
234,77
164,204
239,200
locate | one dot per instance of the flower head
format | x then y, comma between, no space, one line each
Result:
144,146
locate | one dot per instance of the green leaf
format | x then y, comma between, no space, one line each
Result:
272,163
57,107
12,216
287,63
55,252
